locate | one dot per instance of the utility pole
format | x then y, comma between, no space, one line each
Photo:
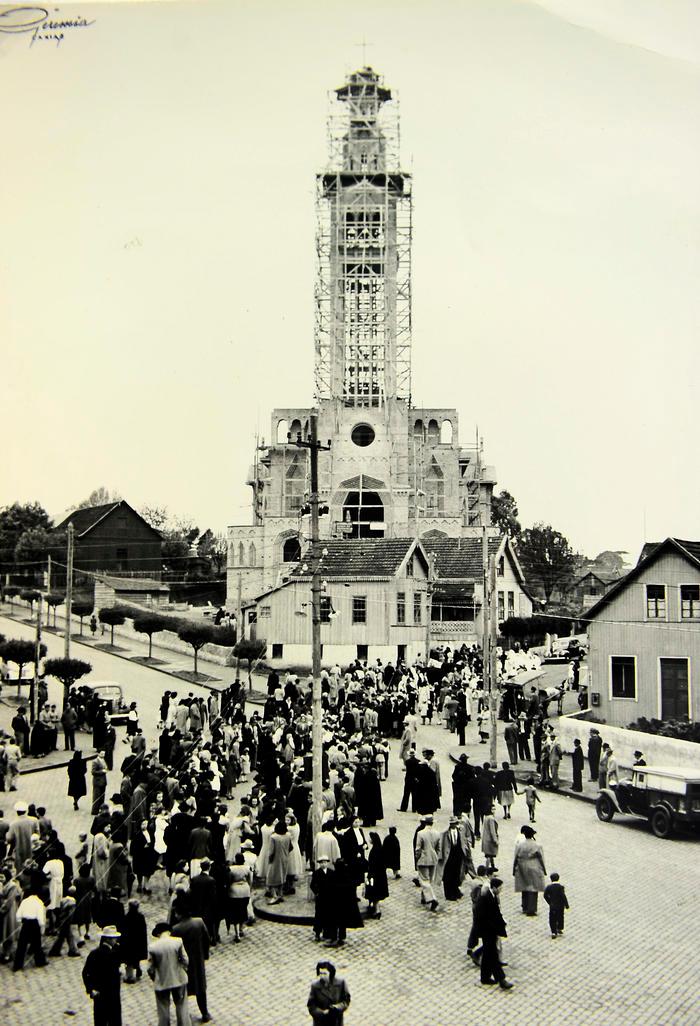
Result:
37,655
48,591
314,447
429,606
239,632
69,590
490,625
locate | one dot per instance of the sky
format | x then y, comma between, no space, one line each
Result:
157,249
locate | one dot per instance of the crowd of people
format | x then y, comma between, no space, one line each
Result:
172,829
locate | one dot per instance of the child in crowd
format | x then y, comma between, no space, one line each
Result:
483,734
391,847
555,896
531,797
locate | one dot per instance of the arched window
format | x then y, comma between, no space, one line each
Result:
295,429
252,555
446,433
418,429
232,555
241,554
282,429
291,551
434,489
363,510
433,431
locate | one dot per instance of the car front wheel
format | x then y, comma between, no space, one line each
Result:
605,808
661,823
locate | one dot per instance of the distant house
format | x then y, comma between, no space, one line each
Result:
114,539
589,587
644,638
458,587
373,605
138,591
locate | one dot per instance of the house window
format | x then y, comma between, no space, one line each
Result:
656,601
623,677
401,607
277,650
511,603
264,612
325,609
501,606
122,558
690,601
502,566
359,610
409,567
417,607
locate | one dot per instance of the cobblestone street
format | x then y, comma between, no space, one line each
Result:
627,958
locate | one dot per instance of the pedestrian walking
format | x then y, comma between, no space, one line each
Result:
77,774
98,771
577,762
31,915
391,846
506,788
489,838
531,797
102,979
168,970
529,870
196,940
239,889
555,896
377,888
134,942
322,886
491,927
510,736
455,858
329,996
69,722
427,843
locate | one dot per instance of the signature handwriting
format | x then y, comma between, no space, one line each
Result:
38,23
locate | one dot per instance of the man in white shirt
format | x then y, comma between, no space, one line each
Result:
31,915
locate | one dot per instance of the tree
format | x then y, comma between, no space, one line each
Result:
53,600
21,652
113,616
196,635
156,516
36,543
150,624
546,556
252,649
11,592
504,514
81,608
68,671
14,521
30,595
215,548
99,497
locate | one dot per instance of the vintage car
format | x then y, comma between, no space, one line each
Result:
109,692
667,797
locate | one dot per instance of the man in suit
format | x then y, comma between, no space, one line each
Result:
490,926
323,887
203,899
195,937
455,859
168,970
427,843
102,979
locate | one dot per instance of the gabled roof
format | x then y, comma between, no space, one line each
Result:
458,558
689,550
84,520
361,558
604,576
134,584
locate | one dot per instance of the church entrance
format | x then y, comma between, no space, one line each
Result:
364,511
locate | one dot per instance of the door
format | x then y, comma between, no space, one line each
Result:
674,689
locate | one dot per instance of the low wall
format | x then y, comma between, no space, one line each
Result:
658,751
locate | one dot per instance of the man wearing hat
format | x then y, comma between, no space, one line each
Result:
322,885
19,836
168,970
639,759
427,843
455,859
102,979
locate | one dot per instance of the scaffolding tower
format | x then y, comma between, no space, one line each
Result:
363,245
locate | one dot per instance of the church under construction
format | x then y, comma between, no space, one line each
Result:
394,469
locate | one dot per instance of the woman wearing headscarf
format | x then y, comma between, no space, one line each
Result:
529,870
77,772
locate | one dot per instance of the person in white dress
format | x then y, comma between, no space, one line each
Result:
53,870
264,856
296,864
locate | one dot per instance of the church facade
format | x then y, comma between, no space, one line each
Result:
394,469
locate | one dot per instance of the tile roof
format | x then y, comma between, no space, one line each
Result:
358,557
458,557
134,584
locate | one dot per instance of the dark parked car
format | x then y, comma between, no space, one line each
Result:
666,797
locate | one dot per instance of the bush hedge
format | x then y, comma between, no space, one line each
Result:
678,729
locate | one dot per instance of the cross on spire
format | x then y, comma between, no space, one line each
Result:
364,44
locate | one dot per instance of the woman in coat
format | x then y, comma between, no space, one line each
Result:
377,888
239,881
77,772
344,912
278,862
506,788
144,857
489,838
133,946
529,870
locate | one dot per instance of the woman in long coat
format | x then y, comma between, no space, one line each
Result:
345,913
278,862
377,888
144,857
489,838
77,772
529,870
368,793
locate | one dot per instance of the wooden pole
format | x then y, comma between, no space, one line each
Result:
69,590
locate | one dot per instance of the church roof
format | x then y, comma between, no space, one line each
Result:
360,558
